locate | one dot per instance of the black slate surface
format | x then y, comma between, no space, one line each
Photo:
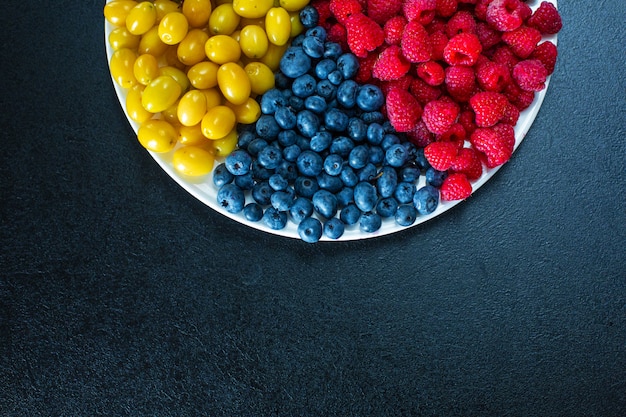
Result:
120,294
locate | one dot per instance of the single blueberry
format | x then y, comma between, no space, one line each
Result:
435,177
333,164
291,152
335,77
309,16
426,199
308,123
348,176
281,200
287,137
345,196
253,212
387,181
406,215
334,228
310,163
231,198
336,120
377,155
221,175
341,145
359,156
409,174
357,129
389,140
405,191
238,162
332,50
267,127
259,172
315,103
275,219
270,156
348,64
329,182
321,141
285,117
420,159
346,93
304,86
368,172
296,103
278,182
365,196
325,67
310,230
370,98
301,208
297,41
386,207
370,222
375,133
271,100
256,145
262,192
350,214
373,117
313,47
326,89
316,32
245,137
245,182
295,62
396,155
287,170
325,203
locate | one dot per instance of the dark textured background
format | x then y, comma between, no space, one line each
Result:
120,294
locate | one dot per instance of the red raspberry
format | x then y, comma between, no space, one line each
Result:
383,10
420,135
438,42
489,107
393,30
468,162
546,52
441,155
506,133
440,115
415,43
337,33
546,19
422,11
343,9
495,144
364,35
446,8
364,73
467,120
437,25
431,72
518,97
462,49
323,10
511,114
456,186
507,15
492,76
403,83
504,55
488,36
403,110
460,82
522,40
424,92
390,64
530,75
462,22
456,134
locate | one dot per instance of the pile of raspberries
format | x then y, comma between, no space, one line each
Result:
455,73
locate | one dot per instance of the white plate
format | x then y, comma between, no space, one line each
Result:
204,190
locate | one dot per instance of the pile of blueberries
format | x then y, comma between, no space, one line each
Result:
322,154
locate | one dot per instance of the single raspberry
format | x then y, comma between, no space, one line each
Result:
383,10
343,9
439,115
337,33
446,8
455,134
420,135
530,75
488,36
431,72
422,11
441,155
424,92
507,15
468,162
506,133
462,49
390,64
393,29
546,19
511,114
438,42
460,82
415,43
403,110
522,40
547,53
467,119
503,54
364,73
456,186
461,22
494,144
492,76
364,35
489,107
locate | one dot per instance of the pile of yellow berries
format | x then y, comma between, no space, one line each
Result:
192,69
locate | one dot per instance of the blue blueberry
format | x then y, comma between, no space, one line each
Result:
435,177
256,145
295,62
348,176
304,86
315,103
404,192
325,67
259,172
313,47
238,162
316,32
365,196
334,228
396,155
426,199
370,98
267,127
287,170
373,117
221,175
301,208
271,100
278,182
335,77
325,203
287,137
406,214
410,174
377,155
333,164
345,196
370,222
350,214
386,207
341,145
308,123
329,182
359,156
336,120
270,157
291,152
420,159
274,219
285,118
348,65
368,172
321,141
244,138
281,200
296,103
281,81
309,16
297,41
357,129
253,212
262,193
375,133
389,140
310,163
231,198
387,181
326,89
305,187
245,182
346,93
310,230
332,50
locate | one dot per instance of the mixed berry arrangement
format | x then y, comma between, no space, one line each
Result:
370,97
